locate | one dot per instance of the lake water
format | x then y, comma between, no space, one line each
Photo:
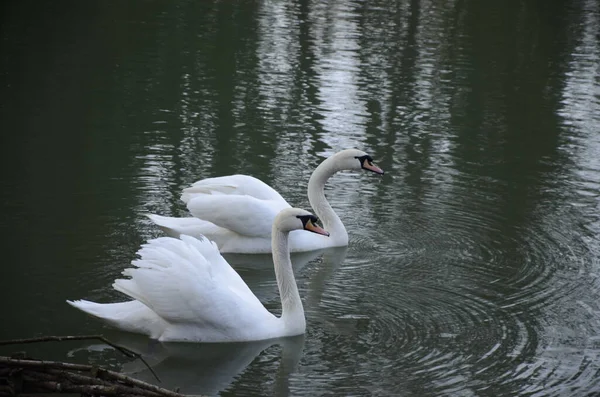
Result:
473,264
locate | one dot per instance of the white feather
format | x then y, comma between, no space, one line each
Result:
184,290
237,211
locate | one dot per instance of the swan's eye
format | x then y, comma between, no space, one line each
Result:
304,219
365,159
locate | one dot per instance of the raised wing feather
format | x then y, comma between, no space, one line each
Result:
242,185
188,281
245,215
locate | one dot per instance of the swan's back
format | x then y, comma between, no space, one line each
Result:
243,185
236,211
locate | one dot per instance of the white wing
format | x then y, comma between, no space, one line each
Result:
235,211
242,185
187,281
245,215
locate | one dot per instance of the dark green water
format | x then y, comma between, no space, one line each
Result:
473,265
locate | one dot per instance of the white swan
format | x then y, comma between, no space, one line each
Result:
184,290
237,211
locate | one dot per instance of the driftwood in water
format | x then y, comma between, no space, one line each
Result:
19,375
127,352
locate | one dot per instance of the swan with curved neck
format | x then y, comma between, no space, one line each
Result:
344,160
184,290
224,209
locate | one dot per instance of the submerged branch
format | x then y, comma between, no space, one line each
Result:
28,376
127,352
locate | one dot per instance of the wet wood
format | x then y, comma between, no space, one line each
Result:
20,375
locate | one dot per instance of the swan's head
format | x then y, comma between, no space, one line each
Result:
298,219
354,159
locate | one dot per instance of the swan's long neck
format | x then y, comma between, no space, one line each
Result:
292,313
316,196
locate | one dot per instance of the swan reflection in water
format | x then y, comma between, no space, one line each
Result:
257,271
210,368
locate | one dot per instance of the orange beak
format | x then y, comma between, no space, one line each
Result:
311,227
372,167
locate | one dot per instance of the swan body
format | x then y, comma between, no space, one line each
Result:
184,290
237,211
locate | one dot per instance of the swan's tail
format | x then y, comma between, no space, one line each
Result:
92,308
110,312
175,227
132,316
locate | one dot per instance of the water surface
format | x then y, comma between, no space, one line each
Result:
473,264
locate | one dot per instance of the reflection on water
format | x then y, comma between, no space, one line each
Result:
208,369
472,267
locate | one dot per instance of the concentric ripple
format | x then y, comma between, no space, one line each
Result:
450,297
